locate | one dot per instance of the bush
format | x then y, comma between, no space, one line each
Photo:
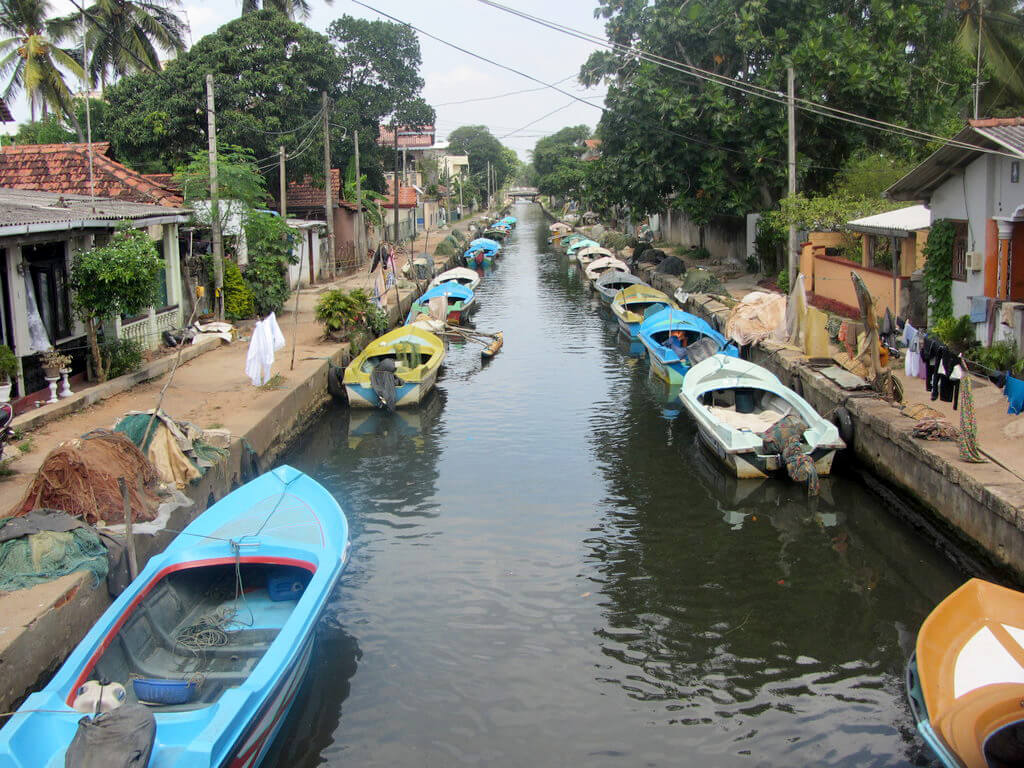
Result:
1001,356
122,356
238,300
350,313
753,264
782,281
8,363
700,252
957,333
270,253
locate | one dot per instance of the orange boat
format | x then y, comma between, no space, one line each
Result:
965,680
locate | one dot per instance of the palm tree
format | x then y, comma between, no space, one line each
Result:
31,58
293,9
1001,51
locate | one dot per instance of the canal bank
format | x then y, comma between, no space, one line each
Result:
40,625
979,505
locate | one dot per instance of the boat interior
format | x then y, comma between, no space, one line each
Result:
195,626
646,308
1005,747
661,337
406,358
746,408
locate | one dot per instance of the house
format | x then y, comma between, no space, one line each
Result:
408,200
306,201
591,149
39,233
974,181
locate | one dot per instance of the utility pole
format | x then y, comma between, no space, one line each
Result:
328,196
488,185
360,228
281,157
791,119
977,72
218,240
397,188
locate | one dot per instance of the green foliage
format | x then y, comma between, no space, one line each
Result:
482,148
823,214
767,242
868,174
349,312
48,130
8,363
1001,50
699,252
238,178
270,252
753,264
716,150
124,356
559,171
938,269
782,281
118,278
1001,356
955,332
238,300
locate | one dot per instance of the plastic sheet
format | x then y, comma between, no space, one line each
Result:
757,317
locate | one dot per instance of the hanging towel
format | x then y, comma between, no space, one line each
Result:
1015,394
979,309
912,359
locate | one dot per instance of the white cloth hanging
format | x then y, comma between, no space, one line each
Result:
912,361
266,339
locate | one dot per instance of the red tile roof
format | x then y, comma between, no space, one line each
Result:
406,196
165,180
994,122
592,143
307,195
64,168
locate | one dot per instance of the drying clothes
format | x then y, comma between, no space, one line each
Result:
912,360
266,339
1015,394
969,450
979,309
888,325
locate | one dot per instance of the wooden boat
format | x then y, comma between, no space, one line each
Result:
613,281
563,243
496,233
416,356
485,243
670,360
598,267
494,347
258,567
633,304
588,254
965,680
461,275
478,258
733,401
559,229
573,248
511,221
460,299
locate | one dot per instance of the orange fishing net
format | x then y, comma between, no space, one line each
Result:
80,478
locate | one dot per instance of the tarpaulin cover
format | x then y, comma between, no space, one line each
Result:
122,738
179,451
757,317
80,477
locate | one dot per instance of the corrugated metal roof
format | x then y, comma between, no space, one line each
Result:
26,210
1005,131
899,223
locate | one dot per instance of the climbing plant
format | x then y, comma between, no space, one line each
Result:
938,269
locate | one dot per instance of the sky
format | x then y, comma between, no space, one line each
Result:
451,75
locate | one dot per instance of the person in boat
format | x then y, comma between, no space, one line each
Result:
677,343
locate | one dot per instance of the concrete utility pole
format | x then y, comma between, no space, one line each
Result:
791,119
360,228
977,72
397,188
328,192
218,240
281,157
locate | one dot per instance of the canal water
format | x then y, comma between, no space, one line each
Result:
547,569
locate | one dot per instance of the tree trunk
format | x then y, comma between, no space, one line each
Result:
94,345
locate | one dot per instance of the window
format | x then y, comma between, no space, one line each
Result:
48,271
959,266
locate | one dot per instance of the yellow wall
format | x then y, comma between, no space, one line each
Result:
832,281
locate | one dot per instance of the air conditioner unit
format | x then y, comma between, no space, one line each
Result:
974,261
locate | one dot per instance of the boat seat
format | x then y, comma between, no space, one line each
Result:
978,715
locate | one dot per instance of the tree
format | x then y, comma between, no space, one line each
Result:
293,9
715,150
270,252
559,171
31,58
482,148
238,177
268,74
118,278
48,130
1002,51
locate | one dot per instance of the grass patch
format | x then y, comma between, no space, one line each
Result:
27,445
277,381
5,467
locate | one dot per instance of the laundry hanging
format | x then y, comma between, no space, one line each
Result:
266,339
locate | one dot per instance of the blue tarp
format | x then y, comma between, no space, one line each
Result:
485,243
449,288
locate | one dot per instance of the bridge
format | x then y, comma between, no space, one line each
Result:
518,192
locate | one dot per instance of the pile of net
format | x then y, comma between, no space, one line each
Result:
700,280
80,477
30,558
785,437
757,317
180,451
671,265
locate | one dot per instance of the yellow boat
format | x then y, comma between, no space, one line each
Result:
965,681
406,360
631,305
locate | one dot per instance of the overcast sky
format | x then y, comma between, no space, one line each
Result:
452,76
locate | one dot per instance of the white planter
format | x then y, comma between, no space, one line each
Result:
5,392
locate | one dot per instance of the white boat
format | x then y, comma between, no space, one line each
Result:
461,275
734,402
598,267
590,253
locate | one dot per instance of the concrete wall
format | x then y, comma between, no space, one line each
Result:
725,237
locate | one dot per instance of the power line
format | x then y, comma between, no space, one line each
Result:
500,95
549,114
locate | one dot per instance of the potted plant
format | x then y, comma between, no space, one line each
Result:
53,360
8,370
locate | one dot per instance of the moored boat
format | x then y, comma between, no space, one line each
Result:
613,281
496,232
573,248
459,301
670,335
588,254
562,243
477,258
253,572
734,402
486,244
598,267
402,364
467,277
965,680
632,305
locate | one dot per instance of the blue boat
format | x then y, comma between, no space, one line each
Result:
460,299
669,359
585,242
510,220
478,258
486,244
257,567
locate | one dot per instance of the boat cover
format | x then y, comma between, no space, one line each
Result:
122,738
486,244
451,288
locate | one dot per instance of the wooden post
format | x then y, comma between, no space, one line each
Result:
281,157
328,192
133,563
360,227
791,265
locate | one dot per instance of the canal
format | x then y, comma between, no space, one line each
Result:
547,569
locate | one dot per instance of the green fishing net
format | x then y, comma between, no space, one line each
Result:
48,555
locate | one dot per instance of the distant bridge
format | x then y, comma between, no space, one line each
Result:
530,192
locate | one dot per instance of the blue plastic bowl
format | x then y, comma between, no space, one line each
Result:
158,691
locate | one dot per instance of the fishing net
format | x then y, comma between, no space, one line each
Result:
48,555
785,437
671,265
80,477
700,280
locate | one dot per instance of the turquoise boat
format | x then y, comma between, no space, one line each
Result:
670,360
477,258
460,299
259,566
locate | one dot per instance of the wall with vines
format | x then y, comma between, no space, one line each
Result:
938,270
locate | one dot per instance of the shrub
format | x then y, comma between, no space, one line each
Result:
753,264
700,252
782,281
270,253
124,356
349,313
1001,356
8,364
956,332
238,300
